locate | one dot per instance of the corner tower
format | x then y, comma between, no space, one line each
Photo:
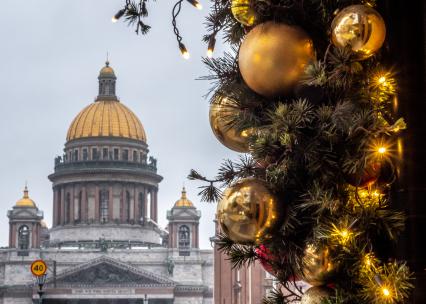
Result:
25,225
183,220
105,187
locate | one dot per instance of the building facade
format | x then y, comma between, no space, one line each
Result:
105,245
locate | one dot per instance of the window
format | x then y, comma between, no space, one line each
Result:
75,155
103,205
127,207
95,155
135,156
125,154
184,239
105,153
143,160
23,237
68,208
115,154
141,202
85,154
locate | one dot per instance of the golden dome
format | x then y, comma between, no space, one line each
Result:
25,201
106,70
184,201
106,118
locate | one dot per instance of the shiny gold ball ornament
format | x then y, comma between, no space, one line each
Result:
247,211
317,265
316,295
222,111
360,27
243,12
273,56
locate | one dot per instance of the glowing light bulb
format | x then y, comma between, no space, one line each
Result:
382,150
344,233
196,4
382,80
184,52
117,16
209,53
386,292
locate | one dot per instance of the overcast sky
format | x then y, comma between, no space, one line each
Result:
51,54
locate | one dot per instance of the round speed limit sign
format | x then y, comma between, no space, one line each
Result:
38,268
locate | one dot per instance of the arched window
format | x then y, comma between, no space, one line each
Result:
103,205
68,208
23,237
127,207
184,237
141,202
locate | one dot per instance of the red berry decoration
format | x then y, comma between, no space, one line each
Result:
265,257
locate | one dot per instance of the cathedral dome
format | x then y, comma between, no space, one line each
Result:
25,201
106,117
183,201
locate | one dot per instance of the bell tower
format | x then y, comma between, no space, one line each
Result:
25,225
183,226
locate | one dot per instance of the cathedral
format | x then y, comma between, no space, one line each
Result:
105,245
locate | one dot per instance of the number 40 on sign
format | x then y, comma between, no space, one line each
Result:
38,268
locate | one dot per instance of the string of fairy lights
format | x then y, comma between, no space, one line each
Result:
175,13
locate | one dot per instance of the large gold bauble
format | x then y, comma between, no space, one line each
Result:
360,27
243,12
273,56
316,295
317,265
222,111
247,211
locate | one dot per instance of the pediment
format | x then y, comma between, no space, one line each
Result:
105,272
23,213
184,212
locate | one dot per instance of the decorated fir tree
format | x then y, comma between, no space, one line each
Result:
307,95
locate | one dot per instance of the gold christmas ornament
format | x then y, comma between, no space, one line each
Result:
273,56
243,12
316,295
317,265
222,111
247,211
360,27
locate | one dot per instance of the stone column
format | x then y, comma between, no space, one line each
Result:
97,215
136,204
197,235
122,205
145,203
151,202
156,205
72,207
55,208
62,204
110,204
10,236
84,204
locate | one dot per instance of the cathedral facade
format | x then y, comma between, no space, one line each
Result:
105,245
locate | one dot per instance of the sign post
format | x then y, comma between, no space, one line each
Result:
39,269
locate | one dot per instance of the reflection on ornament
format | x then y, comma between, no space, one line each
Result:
317,265
316,295
360,27
222,111
273,56
243,12
367,177
247,211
